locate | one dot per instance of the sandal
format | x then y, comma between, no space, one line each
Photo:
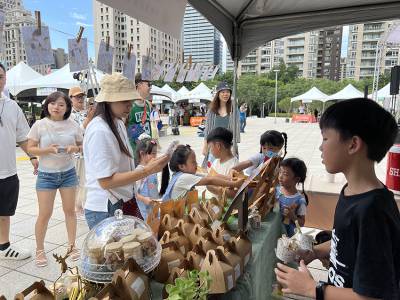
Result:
74,253
41,259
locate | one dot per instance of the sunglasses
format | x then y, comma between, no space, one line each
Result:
78,96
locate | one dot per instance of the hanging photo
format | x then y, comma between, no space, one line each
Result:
105,58
157,71
147,66
214,73
129,66
37,45
1,31
206,71
169,77
190,73
181,74
78,55
197,72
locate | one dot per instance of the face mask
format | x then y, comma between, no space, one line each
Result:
270,154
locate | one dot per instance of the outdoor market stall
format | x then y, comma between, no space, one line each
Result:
19,76
314,94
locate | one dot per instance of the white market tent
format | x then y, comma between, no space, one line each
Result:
314,94
19,76
61,78
171,90
247,24
382,93
200,92
155,90
346,93
182,91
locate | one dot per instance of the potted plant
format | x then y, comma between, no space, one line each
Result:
195,286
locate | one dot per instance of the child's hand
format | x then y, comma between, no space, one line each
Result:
290,212
147,200
237,182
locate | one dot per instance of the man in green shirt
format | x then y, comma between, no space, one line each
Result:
139,117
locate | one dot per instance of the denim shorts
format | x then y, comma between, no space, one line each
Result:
95,217
58,180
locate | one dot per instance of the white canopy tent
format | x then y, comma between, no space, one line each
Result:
61,78
313,94
19,76
346,93
155,90
171,90
382,93
246,24
182,91
200,92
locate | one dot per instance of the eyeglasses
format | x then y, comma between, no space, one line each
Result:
79,96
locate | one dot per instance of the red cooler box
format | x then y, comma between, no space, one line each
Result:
393,169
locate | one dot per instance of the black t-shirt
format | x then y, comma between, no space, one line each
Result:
365,245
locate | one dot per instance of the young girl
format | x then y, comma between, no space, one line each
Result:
271,142
292,204
183,164
54,139
146,188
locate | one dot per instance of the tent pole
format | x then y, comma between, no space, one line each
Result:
234,108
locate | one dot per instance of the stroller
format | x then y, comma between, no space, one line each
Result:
201,128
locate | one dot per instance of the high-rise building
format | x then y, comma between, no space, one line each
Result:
16,16
201,40
361,53
123,30
329,50
60,58
343,68
301,50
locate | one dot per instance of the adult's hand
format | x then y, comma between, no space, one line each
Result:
35,164
156,165
53,148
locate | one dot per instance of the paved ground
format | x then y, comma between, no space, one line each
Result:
304,140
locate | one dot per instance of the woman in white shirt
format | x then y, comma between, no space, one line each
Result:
54,139
110,168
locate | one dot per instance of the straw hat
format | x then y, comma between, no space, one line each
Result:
115,88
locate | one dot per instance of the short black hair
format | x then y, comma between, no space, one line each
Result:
52,98
3,67
363,118
221,134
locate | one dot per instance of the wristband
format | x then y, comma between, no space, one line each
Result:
320,290
32,158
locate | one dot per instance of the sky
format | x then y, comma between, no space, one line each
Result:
64,19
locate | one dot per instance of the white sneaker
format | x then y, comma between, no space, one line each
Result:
15,253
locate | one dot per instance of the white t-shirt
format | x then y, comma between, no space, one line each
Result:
14,130
184,184
225,167
63,133
103,158
256,160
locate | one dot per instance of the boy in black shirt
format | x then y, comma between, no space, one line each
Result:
364,252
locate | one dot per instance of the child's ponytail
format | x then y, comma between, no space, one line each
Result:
164,180
284,135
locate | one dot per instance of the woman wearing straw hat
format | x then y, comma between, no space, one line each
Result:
110,168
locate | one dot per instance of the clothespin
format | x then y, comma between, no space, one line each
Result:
190,61
130,46
38,21
148,52
107,42
79,36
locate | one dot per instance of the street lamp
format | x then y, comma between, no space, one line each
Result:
262,114
276,91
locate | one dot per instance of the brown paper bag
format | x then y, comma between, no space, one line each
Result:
187,226
192,199
113,290
153,219
183,242
134,281
179,208
221,272
214,209
165,238
199,214
197,256
221,234
207,242
171,257
166,208
242,246
234,261
167,223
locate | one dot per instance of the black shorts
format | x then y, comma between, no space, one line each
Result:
9,189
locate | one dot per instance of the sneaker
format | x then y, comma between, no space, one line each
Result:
14,253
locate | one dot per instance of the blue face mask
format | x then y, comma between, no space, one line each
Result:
270,154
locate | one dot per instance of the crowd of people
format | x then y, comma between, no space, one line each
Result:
109,154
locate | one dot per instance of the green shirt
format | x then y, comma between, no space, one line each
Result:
135,127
